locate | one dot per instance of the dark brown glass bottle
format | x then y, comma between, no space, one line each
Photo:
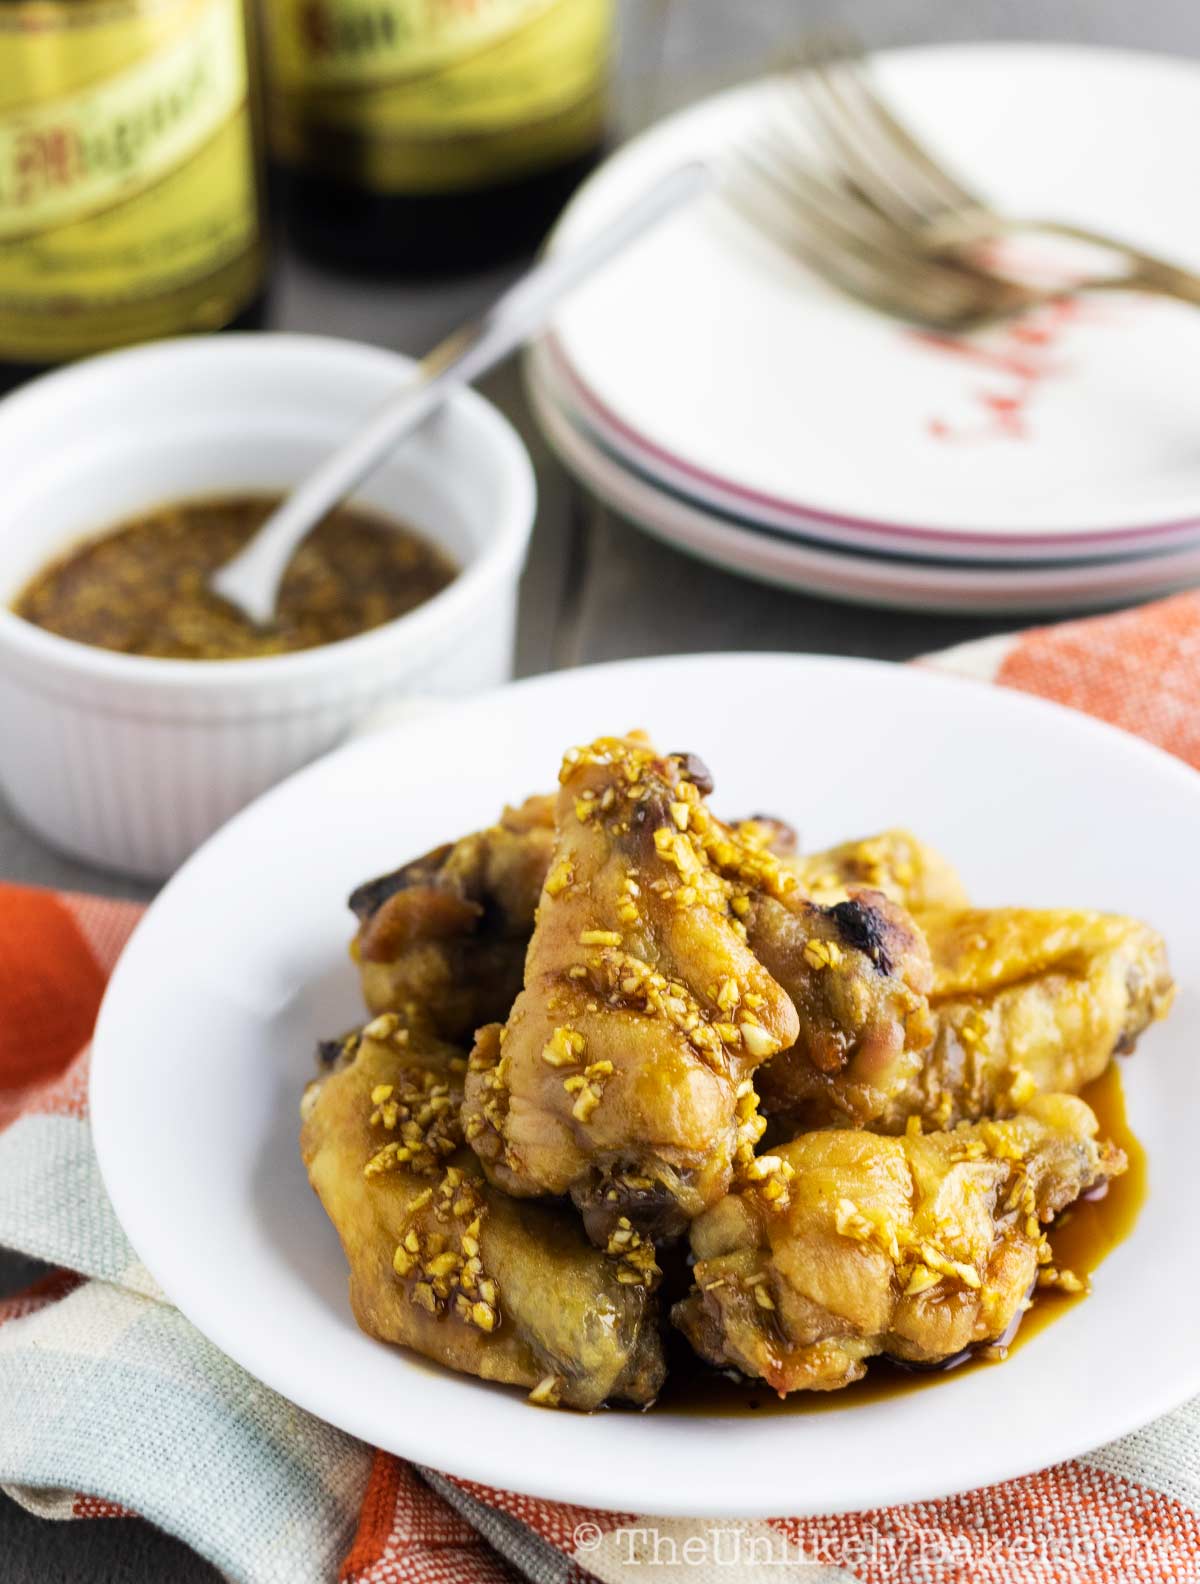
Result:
131,185
423,136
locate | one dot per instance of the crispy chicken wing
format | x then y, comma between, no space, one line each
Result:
624,1079
444,1263
622,1074
450,930
869,1045
918,1247
858,972
894,862
1029,1000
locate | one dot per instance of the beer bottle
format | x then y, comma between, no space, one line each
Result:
418,136
130,175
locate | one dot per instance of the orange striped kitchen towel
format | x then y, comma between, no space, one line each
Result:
103,1383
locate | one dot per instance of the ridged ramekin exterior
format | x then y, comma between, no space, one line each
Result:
136,784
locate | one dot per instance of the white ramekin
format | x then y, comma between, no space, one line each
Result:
131,762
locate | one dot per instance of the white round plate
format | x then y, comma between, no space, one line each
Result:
898,583
721,362
206,1037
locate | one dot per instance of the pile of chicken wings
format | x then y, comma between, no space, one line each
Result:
613,1036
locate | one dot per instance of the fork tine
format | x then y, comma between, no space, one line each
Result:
905,166
812,189
854,275
866,140
817,105
833,80
853,248
955,193
858,208
812,200
854,223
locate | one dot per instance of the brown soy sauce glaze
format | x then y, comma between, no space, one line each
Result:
141,588
1082,1237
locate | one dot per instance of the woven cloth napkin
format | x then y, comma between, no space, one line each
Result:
113,1404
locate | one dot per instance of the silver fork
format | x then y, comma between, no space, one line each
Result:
836,177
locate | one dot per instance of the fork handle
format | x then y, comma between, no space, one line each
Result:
1149,273
1178,285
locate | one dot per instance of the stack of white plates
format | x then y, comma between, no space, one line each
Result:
712,390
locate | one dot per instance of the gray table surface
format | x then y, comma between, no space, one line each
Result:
593,588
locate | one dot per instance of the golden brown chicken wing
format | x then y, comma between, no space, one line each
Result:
444,1263
1029,1000
450,930
855,962
918,1247
894,862
622,1075
858,972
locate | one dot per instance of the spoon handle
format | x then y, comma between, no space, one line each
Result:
250,580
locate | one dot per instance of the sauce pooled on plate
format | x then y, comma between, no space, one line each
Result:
1082,1236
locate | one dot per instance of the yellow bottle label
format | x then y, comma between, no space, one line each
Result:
129,201
432,95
